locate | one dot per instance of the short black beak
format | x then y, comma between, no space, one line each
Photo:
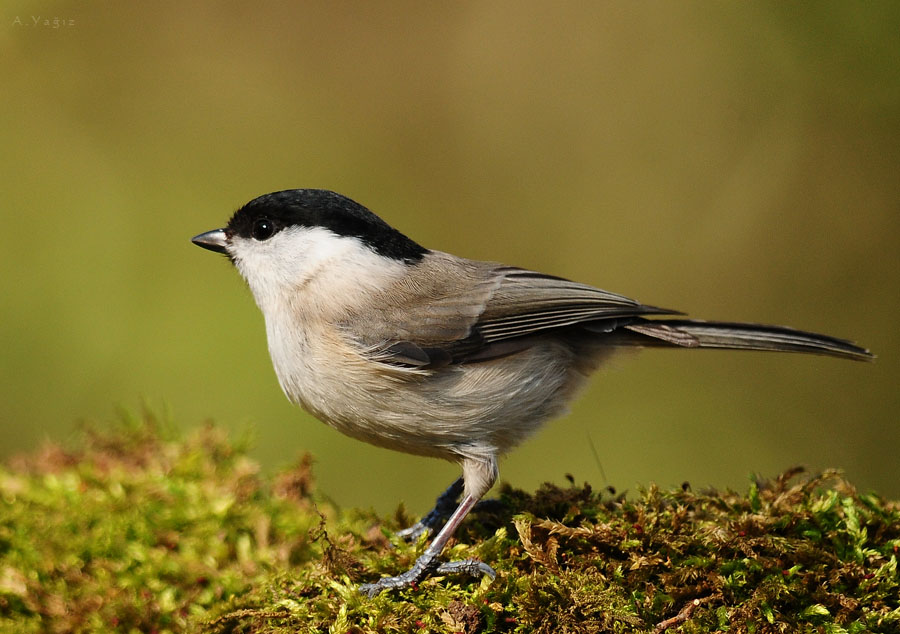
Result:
213,240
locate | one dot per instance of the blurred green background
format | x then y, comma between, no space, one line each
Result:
734,160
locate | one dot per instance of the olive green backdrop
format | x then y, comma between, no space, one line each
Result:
734,160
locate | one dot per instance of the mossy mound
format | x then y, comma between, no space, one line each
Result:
140,530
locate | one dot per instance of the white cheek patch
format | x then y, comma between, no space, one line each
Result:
297,257
279,261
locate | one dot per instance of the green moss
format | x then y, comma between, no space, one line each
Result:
140,530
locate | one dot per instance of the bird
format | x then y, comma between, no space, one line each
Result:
432,354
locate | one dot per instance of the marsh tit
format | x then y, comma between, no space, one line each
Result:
436,355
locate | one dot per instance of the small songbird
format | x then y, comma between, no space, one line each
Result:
436,355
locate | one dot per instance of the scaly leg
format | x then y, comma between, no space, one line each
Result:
428,563
444,506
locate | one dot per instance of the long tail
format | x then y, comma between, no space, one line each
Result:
690,333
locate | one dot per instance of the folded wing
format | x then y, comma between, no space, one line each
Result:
494,310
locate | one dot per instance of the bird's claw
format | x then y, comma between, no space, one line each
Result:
424,567
471,567
414,532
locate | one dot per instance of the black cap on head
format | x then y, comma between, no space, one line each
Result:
264,216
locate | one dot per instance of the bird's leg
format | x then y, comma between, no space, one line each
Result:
428,563
444,506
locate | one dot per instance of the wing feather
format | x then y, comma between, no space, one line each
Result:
527,302
456,310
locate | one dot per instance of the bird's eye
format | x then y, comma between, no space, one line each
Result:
263,228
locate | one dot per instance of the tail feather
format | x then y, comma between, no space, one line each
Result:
690,333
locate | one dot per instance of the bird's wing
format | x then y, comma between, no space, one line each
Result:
527,303
473,311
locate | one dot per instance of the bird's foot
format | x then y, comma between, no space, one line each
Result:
425,566
413,533
443,509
